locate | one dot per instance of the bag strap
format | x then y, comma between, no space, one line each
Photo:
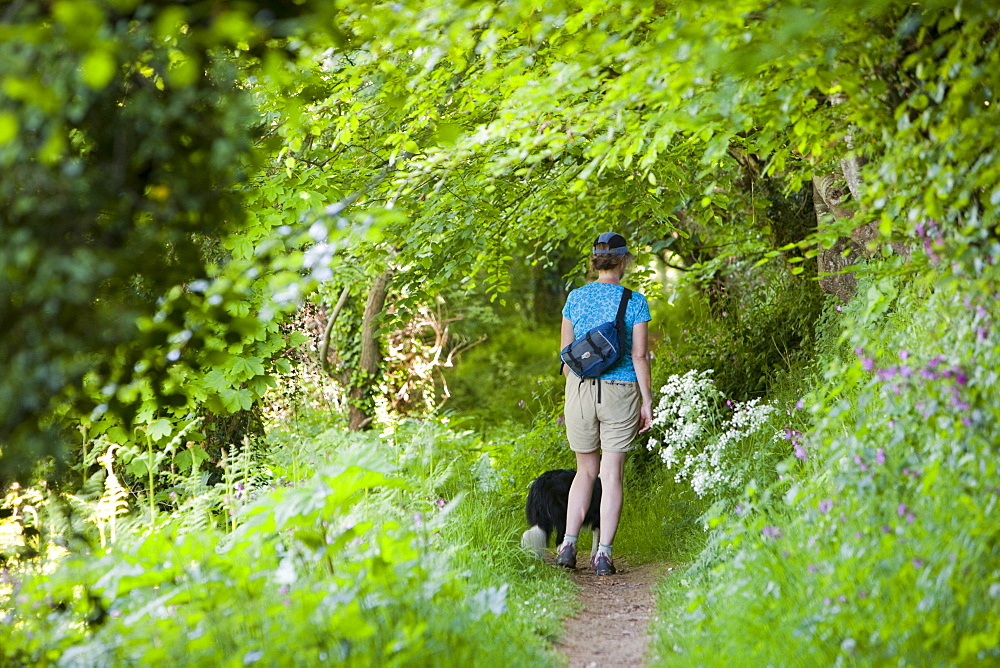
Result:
620,318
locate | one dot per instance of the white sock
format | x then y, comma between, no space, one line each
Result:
569,539
604,549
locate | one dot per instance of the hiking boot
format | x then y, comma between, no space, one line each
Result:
603,565
566,556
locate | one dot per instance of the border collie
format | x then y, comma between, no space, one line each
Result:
546,510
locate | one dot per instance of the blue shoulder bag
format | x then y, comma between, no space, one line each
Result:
597,351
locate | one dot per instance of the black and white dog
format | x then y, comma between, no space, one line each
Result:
546,510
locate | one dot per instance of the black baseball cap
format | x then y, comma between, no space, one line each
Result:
616,244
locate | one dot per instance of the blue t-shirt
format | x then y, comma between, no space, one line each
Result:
597,303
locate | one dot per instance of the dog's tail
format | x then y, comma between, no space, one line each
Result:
535,539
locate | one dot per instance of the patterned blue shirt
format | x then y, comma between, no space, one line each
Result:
597,303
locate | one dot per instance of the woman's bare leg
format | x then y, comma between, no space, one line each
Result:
587,467
611,469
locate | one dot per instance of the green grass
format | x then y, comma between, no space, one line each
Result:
882,547
372,551
660,517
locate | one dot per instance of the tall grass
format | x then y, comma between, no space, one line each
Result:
881,547
350,549
661,518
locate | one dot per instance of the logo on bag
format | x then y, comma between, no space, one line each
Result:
585,356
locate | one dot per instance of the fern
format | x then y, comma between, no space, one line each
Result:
113,502
195,512
243,478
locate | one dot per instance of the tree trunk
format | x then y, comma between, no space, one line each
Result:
829,193
324,347
360,415
865,235
828,198
851,167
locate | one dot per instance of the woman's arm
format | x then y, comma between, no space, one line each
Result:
566,338
640,360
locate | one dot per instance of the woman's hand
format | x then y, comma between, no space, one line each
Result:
645,416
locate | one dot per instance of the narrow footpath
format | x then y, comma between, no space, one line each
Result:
612,629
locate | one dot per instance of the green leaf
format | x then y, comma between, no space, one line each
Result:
98,68
258,385
138,467
9,127
190,457
242,248
183,73
216,380
235,400
159,428
246,367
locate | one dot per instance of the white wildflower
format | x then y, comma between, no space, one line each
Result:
695,438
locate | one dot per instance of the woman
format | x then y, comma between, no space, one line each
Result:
604,415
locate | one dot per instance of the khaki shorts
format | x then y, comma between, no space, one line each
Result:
610,425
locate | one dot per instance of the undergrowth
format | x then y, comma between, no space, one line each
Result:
355,549
877,544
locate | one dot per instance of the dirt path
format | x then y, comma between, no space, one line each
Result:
613,627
